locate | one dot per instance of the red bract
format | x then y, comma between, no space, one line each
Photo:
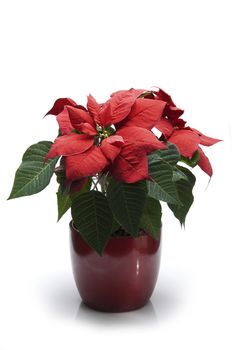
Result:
85,164
185,138
132,163
171,110
76,186
60,104
116,135
117,107
204,162
188,140
68,145
145,113
89,147
205,140
111,147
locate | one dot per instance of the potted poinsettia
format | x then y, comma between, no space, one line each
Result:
113,172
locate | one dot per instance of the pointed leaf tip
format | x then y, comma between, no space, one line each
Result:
33,174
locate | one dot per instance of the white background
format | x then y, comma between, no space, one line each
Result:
52,49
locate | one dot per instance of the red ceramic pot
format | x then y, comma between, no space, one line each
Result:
123,279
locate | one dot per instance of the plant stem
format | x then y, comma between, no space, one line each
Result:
95,184
101,182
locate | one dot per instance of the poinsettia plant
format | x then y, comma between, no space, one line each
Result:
112,169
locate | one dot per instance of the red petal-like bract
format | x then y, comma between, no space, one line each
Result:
186,140
164,126
86,128
75,186
75,118
70,144
171,110
78,116
162,95
134,113
85,164
131,165
204,163
64,122
145,113
93,107
117,107
179,123
111,147
60,104
206,140
140,138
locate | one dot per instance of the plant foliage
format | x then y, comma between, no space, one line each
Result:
114,171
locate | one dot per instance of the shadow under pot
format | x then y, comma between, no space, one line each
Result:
123,279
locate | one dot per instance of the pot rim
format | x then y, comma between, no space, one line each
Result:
116,237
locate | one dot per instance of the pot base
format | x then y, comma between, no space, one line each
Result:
114,310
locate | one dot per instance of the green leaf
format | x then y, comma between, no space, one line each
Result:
115,225
127,203
84,189
146,94
93,218
193,161
189,175
184,189
151,218
65,198
170,155
34,174
162,188
63,202
178,174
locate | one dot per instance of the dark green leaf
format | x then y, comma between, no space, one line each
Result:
60,176
151,218
84,189
184,189
189,175
162,188
115,225
178,174
93,218
170,155
147,94
65,198
127,203
63,202
34,174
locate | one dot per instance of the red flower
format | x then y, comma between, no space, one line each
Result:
59,105
174,131
131,165
188,141
171,111
161,112
116,135
185,138
89,147
145,113
115,109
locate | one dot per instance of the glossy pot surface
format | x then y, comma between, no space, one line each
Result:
123,279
